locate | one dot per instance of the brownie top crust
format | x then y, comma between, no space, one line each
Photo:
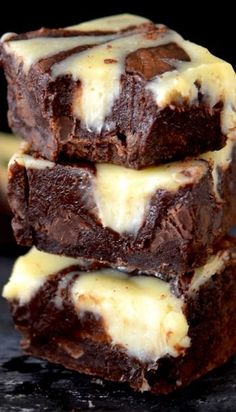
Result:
97,54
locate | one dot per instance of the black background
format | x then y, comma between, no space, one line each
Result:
203,22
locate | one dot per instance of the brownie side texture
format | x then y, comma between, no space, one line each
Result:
136,133
55,209
82,344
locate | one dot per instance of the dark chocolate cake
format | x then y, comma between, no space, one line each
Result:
119,90
164,218
122,327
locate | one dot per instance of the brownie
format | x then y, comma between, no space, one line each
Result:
162,219
67,317
119,90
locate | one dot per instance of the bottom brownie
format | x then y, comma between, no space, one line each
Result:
123,327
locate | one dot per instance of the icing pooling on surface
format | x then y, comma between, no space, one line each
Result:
32,50
100,80
110,23
215,78
31,271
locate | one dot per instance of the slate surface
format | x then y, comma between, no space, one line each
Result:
32,385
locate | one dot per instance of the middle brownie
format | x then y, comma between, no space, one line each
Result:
163,219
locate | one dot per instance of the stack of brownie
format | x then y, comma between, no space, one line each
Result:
126,188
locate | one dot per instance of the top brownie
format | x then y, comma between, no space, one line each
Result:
118,89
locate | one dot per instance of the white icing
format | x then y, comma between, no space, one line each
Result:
100,80
216,78
110,23
219,159
63,283
30,162
138,312
125,212
214,265
35,267
31,271
31,51
7,36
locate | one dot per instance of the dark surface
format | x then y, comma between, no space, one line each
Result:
136,133
29,385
